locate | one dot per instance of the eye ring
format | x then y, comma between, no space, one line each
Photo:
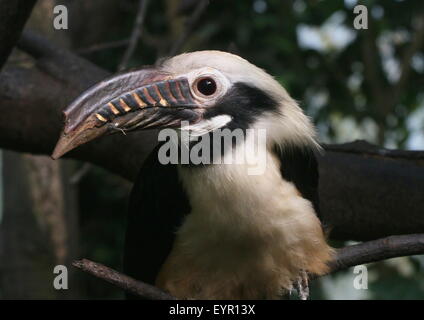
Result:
206,86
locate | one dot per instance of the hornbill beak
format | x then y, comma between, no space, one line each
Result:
141,99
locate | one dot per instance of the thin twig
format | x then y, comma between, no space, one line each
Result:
122,281
148,39
197,13
135,35
103,46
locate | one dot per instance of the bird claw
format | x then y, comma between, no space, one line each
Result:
302,286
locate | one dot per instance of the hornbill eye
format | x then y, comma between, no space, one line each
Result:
206,86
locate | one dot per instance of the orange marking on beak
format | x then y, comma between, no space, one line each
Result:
162,100
113,108
124,105
140,102
101,118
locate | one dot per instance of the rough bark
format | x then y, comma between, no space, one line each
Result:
366,192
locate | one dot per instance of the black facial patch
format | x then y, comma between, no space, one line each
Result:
245,104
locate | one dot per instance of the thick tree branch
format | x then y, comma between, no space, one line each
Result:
377,250
350,256
60,63
364,148
366,192
365,195
13,15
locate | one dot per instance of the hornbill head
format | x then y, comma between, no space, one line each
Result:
207,89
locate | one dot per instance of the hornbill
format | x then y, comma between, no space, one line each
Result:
212,231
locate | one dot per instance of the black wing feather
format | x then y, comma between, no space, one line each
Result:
157,207
299,166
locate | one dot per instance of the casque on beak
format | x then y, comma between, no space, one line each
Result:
140,99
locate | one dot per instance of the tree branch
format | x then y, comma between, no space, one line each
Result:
60,63
350,256
362,147
135,35
377,250
190,24
13,15
103,46
122,281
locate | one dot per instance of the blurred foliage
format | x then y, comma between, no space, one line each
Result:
312,48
